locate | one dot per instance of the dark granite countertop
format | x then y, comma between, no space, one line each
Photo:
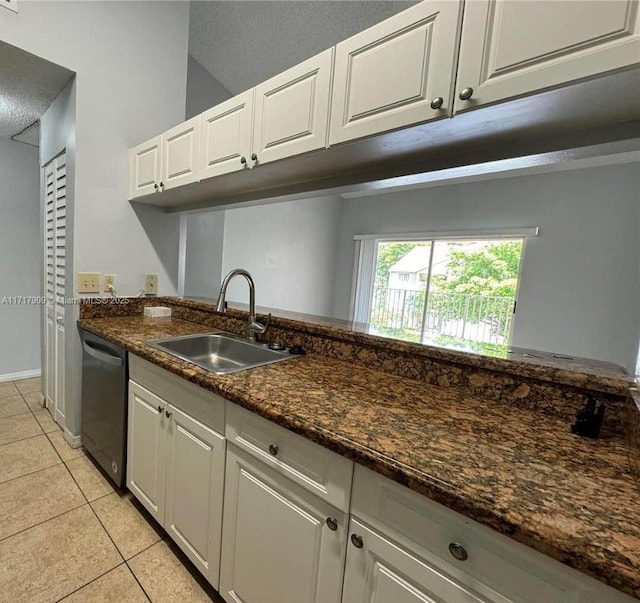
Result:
520,473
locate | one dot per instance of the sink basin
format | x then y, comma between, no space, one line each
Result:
221,353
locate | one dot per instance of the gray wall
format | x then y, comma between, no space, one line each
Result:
203,90
289,248
203,253
131,64
20,256
580,290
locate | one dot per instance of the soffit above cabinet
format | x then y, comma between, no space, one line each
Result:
410,96
585,114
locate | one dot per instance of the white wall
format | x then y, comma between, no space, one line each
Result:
131,62
19,256
203,90
289,248
580,290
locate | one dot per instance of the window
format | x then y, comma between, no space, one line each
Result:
462,294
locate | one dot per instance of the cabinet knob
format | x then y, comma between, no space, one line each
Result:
356,540
243,160
273,449
167,414
155,186
160,409
466,94
437,102
162,185
254,157
458,551
332,523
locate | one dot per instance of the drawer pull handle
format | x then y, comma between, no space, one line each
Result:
273,449
458,551
332,523
356,540
437,103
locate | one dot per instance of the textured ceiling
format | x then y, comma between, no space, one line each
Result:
28,84
244,42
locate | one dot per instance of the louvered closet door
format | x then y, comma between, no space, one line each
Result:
49,284
55,272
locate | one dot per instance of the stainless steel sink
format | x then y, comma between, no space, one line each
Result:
221,353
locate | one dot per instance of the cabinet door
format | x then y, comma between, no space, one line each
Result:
380,572
195,484
512,48
292,110
226,136
180,150
145,168
387,76
277,544
146,449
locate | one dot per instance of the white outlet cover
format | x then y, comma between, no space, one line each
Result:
151,284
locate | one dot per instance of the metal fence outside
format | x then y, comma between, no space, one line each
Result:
480,318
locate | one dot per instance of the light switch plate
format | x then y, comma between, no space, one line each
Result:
109,280
88,282
151,284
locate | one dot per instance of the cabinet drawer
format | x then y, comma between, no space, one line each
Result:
201,404
498,567
318,470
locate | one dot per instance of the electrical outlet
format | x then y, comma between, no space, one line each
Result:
109,282
88,282
151,284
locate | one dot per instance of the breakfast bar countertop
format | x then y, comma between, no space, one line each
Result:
521,473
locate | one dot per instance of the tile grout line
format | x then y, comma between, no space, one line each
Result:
90,582
126,561
88,503
44,521
13,479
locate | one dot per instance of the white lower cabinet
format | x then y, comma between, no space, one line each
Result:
379,570
406,548
301,524
146,449
175,468
281,544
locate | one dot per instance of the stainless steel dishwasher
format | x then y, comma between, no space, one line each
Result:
103,421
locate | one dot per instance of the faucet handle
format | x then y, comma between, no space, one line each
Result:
254,327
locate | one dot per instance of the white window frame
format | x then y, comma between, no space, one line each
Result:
366,246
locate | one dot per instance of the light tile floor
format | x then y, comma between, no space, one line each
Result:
65,533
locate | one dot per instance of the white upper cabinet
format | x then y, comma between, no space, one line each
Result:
511,48
226,136
180,151
292,110
145,166
397,73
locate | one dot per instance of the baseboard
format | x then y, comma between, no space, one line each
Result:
20,375
72,440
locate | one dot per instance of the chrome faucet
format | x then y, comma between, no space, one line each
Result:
253,326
